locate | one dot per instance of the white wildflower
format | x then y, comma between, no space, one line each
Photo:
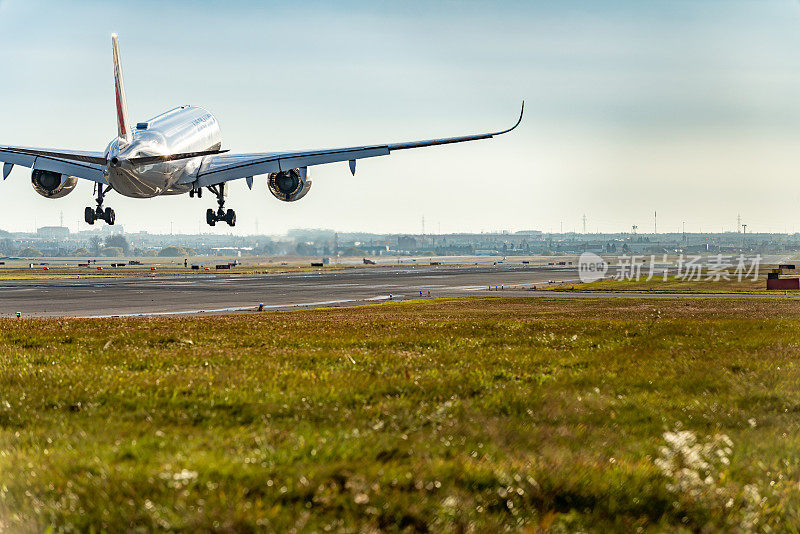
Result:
695,471
691,466
450,502
184,475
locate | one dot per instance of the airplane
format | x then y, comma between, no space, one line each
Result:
180,152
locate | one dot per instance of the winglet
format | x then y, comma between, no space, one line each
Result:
461,139
521,112
123,124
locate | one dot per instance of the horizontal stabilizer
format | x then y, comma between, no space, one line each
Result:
150,160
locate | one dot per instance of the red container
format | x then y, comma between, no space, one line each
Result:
783,284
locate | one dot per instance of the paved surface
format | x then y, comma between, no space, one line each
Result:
204,294
213,294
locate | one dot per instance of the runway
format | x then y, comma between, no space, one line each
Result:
215,293
203,294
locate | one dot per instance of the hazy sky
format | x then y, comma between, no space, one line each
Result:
688,108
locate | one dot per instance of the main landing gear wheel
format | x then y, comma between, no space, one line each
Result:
212,217
90,215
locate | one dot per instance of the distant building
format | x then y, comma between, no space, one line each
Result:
529,232
231,251
406,242
375,250
53,232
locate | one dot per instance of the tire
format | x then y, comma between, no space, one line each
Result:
211,217
88,215
230,218
109,216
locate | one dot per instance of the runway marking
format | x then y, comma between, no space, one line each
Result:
241,308
430,286
15,290
524,284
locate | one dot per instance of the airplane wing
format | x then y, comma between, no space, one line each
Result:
217,169
86,165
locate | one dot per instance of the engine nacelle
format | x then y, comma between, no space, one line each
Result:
52,184
289,185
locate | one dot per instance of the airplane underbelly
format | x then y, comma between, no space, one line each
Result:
140,184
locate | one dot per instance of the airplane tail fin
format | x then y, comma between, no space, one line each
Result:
123,124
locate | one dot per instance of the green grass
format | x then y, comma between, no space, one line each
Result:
454,415
672,285
57,272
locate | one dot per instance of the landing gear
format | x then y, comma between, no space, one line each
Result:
91,215
220,215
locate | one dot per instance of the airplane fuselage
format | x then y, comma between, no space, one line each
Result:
180,130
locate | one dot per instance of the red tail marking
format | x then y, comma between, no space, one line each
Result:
120,116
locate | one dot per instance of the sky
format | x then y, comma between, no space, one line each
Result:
685,108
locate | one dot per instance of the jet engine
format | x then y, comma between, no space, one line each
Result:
52,184
289,185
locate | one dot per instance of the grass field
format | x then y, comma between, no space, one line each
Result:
454,415
104,270
672,285
45,268
59,268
